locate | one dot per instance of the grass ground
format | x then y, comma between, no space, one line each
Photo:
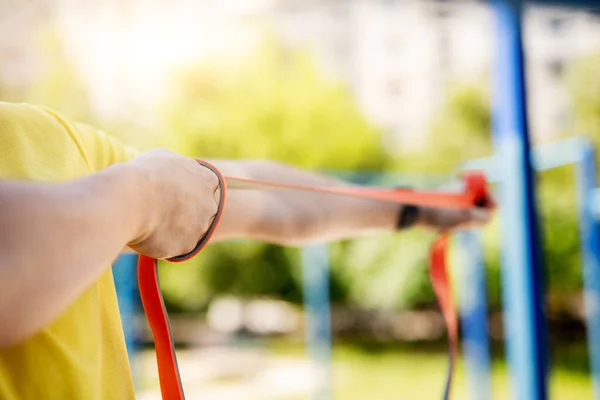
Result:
360,372
414,372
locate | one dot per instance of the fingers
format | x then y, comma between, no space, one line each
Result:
480,215
184,197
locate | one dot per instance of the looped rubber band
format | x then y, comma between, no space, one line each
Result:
475,195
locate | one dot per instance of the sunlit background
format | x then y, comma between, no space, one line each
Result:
355,88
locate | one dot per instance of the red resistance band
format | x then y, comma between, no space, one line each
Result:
474,195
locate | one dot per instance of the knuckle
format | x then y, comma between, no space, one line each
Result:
213,179
188,247
161,151
185,246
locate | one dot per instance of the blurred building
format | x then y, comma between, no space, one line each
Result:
128,49
18,47
396,56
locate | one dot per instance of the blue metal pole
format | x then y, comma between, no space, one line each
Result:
473,310
590,253
522,269
315,273
125,278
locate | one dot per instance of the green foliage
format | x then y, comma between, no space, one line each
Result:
459,130
59,86
558,209
584,89
385,271
243,269
274,105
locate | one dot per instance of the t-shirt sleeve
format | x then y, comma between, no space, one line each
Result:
100,149
31,135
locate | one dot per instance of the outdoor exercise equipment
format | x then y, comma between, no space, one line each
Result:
577,151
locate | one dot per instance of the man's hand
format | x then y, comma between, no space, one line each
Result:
181,206
448,219
160,203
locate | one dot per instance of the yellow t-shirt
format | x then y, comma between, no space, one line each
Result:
81,354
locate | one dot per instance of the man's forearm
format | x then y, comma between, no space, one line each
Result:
56,239
295,217
299,218
291,217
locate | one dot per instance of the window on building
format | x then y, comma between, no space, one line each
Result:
557,68
392,43
393,88
558,25
340,10
441,9
442,13
342,50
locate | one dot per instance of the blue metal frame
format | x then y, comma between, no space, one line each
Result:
590,250
473,314
576,151
125,278
522,263
315,279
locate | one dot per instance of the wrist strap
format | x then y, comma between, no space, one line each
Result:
407,216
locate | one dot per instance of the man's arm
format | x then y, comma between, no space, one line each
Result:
293,217
57,239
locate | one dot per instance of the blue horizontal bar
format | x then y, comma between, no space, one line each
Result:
545,157
595,202
586,5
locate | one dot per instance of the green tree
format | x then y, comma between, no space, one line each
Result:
459,131
276,105
584,91
58,84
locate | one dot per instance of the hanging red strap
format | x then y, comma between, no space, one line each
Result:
476,189
474,195
442,287
154,307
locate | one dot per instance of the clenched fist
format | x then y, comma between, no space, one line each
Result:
182,202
